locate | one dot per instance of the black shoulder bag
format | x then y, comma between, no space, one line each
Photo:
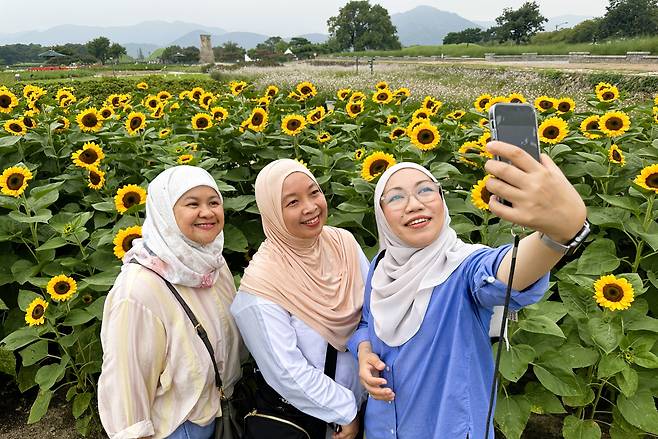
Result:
229,425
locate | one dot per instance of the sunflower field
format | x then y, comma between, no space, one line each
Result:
73,186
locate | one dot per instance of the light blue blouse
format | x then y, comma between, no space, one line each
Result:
442,376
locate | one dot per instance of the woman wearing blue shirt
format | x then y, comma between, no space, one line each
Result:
423,345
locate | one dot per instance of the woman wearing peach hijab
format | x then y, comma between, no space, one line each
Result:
303,290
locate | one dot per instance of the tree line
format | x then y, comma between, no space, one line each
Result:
623,19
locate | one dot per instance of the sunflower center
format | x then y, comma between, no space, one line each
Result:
564,107
105,114
486,195
89,120
202,122
206,100
89,156
614,123
378,166
515,101
135,122
86,299
551,132
28,122
257,119
115,101
425,137
306,90
593,125
398,132
15,128
271,92
5,101
130,199
484,102
38,312
613,293
94,178
196,95
616,155
382,96
153,103
62,287
128,241
546,105
355,108
15,181
293,124
608,95
652,180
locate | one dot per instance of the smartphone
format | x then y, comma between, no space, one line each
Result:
515,124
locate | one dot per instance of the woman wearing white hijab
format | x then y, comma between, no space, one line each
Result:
423,345
158,379
302,290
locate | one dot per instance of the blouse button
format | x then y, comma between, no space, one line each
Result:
491,279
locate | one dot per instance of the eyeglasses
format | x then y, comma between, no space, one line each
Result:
425,192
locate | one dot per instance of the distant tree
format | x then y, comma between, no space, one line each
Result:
362,26
270,49
170,54
302,47
98,48
191,55
587,31
229,52
630,18
20,53
470,35
115,51
520,24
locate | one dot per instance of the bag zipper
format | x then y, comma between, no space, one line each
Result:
285,421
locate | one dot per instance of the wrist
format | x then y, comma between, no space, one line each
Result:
364,348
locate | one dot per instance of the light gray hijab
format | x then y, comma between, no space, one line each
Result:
405,277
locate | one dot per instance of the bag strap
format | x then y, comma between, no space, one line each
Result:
330,360
201,332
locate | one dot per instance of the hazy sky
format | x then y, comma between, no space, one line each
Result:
273,17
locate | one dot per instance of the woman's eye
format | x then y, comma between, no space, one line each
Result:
394,198
292,203
315,192
425,189
192,205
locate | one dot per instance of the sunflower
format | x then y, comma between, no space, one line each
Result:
480,196
64,124
648,178
414,123
90,154
382,96
263,102
164,133
324,137
89,120
185,159
481,101
359,154
33,92
196,93
158,112
613,293
96,178
431,104
495,100
135,122
123,240
471,147
258,119
113,100
271,91
295,96
614,123
201,121
516,98
357,96
602,86
174,106
425,136
164,95
397,132
402,92
28,119
306,89
483,122
609,94
36,312
544,103
67,101
106,112
354,108
293,124
485,138
590,123
392,120
553,130
615,155
142,85
343,93
236,88
375,164
381,85
219,113
655,100
206,99
13,180
87,299
421,113
565,105
8,100
456,115
61,288
128,196
316,115
151,101
15,127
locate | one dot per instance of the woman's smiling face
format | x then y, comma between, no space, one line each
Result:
303,205
200,215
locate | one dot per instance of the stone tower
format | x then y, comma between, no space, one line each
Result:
206,56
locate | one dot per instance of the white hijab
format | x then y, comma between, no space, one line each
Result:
163,247
405,277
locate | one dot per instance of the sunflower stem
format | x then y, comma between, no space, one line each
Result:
645,226
598,397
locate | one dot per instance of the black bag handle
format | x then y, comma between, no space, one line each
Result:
201,332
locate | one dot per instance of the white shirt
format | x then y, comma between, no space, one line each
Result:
291,356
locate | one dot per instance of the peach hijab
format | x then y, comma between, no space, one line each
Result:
318,280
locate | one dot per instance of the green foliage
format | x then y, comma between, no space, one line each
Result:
630,18
99,48
520,24
362,26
